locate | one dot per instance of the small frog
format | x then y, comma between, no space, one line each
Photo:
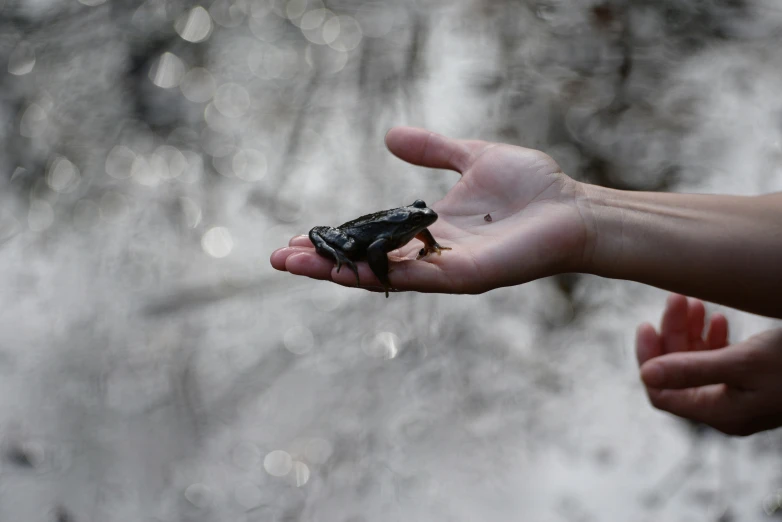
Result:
371,237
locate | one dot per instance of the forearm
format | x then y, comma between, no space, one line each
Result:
724,249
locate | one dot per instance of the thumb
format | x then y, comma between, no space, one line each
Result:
681,370
428,149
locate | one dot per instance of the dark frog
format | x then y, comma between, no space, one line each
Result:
371,237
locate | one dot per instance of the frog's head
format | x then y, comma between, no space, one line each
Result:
408,221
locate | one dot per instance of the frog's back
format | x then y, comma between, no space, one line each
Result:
363,221
366,229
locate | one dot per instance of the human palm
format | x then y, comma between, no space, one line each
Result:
511,218
734,388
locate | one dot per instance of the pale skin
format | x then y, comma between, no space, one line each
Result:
724,249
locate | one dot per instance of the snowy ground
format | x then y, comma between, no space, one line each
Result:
154,367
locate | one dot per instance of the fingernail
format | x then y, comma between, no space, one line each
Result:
653,375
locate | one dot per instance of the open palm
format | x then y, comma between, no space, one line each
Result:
511,218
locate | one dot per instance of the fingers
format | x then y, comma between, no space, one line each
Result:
427,275
303,241
691,369
280,256
708,404
696,316
675,329
303,261
427,149
717,335
648,344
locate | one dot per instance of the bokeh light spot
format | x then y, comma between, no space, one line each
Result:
224,164
282,62
314,32
217,242
228,13
62,175
295,8
195,25
232,100
349,36
383,345
300,474
250,165
113,207
222,126
278,463
199,495
119,162
312,19
325,59
198,85
22,59
318,451
33,122
167,71
194,168
299,340
144,173
331,29
173,162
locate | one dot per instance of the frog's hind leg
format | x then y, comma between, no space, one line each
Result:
323,248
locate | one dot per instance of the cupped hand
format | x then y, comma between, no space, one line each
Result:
733,388
511,218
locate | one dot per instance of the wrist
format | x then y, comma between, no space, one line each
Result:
601,222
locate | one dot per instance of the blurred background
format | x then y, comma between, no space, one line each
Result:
154,367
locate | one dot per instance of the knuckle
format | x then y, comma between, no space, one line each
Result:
656,399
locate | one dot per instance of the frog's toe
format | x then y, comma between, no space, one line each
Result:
431,249
355,271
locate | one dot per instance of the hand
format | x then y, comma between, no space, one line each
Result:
535,230
736,389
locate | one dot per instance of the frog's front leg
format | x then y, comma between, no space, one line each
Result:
332,242
430,244
378,262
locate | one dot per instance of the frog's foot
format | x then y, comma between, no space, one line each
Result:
430,245
428,249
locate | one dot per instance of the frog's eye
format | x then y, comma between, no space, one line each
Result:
419,204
